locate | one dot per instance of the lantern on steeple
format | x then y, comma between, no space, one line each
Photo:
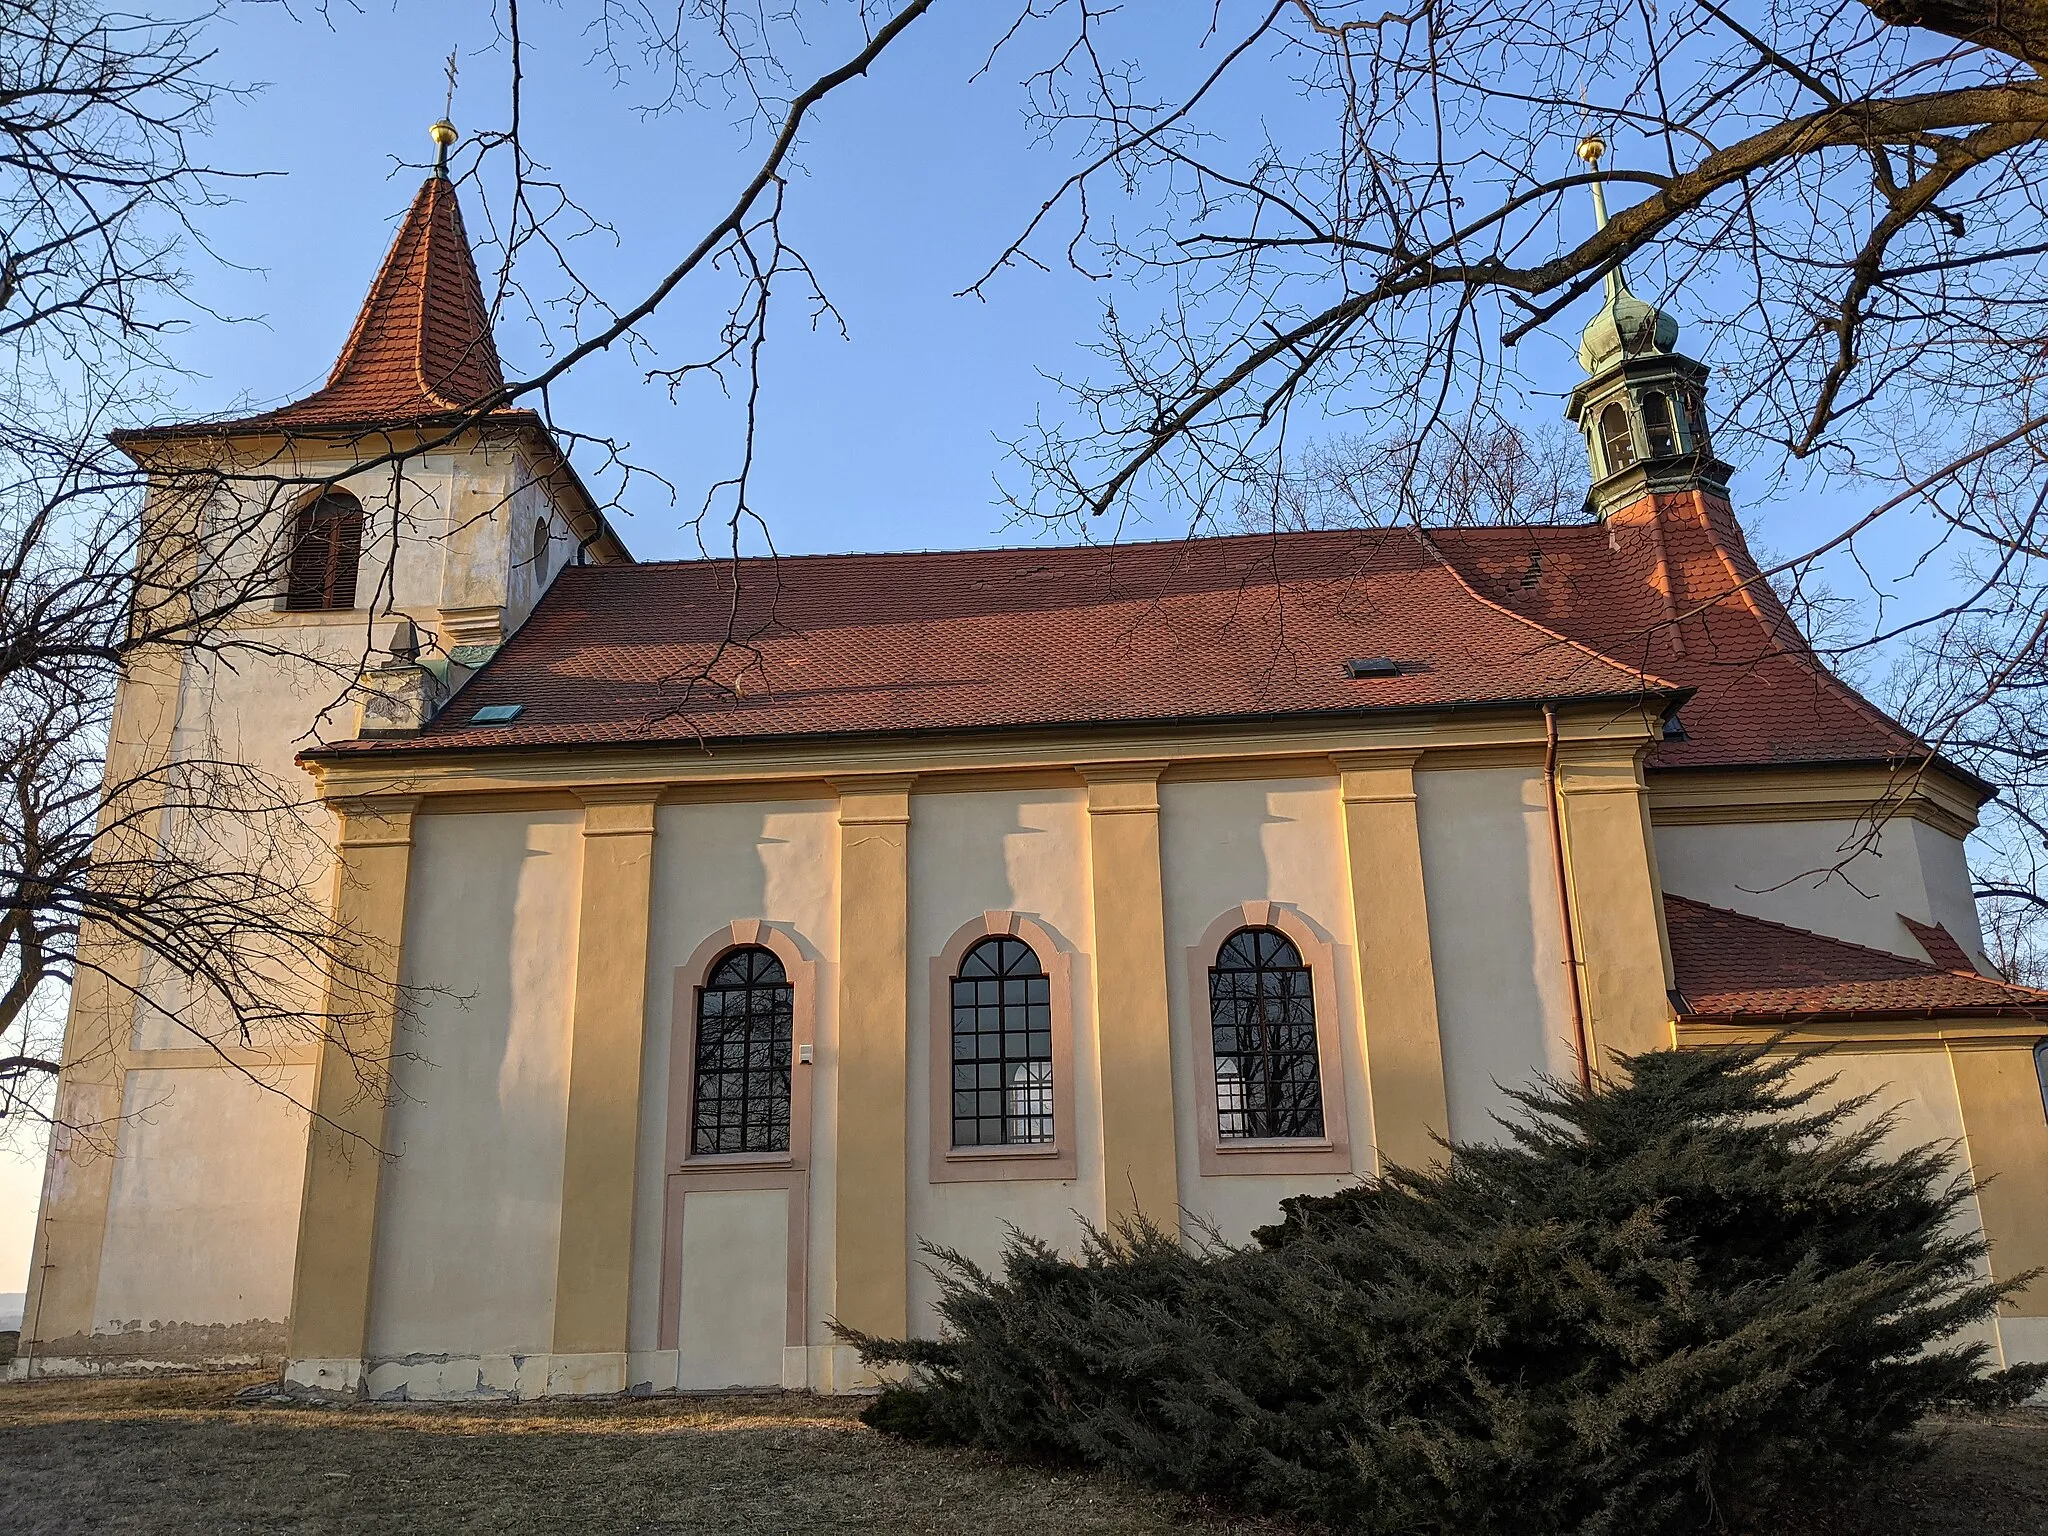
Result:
1642,407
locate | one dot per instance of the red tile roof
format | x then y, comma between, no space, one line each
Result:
1732,966
1940,944
1211,629
421,348
1669,585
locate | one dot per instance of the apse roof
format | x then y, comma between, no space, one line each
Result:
1735,967
1682,597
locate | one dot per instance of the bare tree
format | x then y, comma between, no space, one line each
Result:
162,872
1496,473
1841,199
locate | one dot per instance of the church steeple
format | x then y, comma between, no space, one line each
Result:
422,344
1642,406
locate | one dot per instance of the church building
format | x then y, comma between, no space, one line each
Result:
721,932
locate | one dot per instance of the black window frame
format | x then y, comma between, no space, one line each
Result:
1258,972
1000,1025
743,1081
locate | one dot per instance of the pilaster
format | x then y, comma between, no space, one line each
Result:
872,1216
1131,1024
1404,1052
345,1149
1617,907
2006,1132
600,1146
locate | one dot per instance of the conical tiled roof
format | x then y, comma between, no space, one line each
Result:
421,347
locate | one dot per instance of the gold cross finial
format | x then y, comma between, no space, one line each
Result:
443,133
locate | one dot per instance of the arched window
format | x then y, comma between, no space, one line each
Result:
1617,446
745,1014
1262,1014
2041,1071
1657,425
1696,410
543,539
327,545
1002,1047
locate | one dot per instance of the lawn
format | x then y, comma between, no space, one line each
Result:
178,1455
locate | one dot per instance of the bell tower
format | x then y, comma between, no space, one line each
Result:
368,547
1642,407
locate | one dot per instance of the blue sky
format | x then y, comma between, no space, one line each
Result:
887,438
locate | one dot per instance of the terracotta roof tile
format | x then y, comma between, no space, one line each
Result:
1940,944
421,348
1732,966
1223,628
1672,588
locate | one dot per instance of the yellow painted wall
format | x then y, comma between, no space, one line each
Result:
1225,843
1503,1001
970,853
717,863
471,1208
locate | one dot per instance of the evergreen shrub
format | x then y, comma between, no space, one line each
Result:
1650,1306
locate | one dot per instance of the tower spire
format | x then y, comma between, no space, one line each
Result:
1591,148
1642,406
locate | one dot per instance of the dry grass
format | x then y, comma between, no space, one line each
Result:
178,1455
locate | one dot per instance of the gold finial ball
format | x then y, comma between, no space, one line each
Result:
443,133
1591,148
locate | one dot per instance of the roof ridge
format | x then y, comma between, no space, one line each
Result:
779,556
425,264
1851,944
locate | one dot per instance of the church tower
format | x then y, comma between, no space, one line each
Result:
1642,406
370,545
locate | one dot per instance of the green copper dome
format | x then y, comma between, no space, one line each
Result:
1625,327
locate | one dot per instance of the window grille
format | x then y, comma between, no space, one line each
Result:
745,1014
1002,1047
1262,1016
327,546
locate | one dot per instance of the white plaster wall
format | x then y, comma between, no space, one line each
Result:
1223,844
1001,851
203,1221
716,864
1945,875
470,1211
1503,1000
1786,872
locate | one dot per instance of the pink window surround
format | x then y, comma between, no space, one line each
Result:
965,1165
790,1171
1327,1153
